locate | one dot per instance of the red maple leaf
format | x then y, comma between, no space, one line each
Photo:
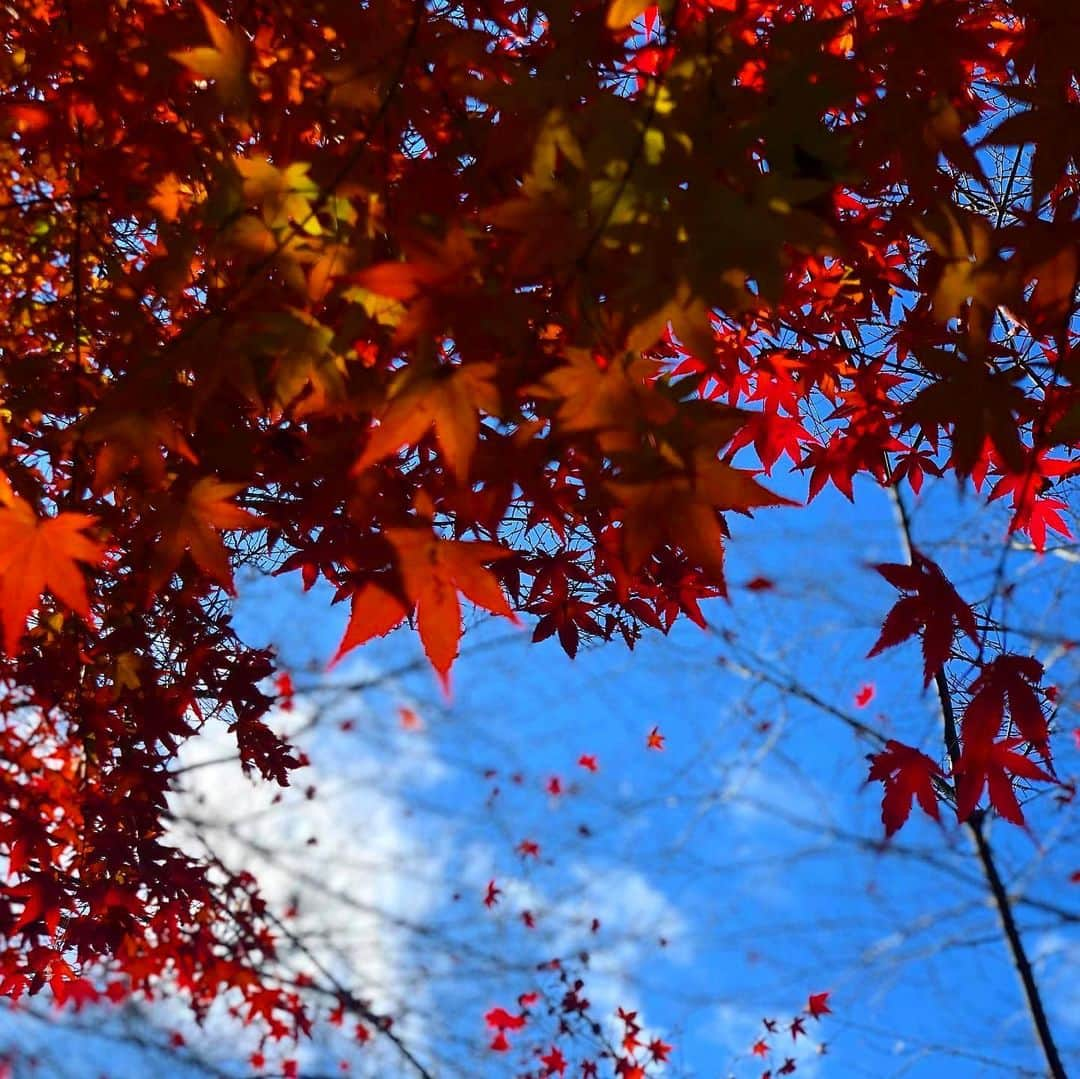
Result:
659,1050
908,775
760,1048
554,1061
492,896
501,1019
865,695
818,1003
993,764
1009,679
655,739
930,607
283,686
588,762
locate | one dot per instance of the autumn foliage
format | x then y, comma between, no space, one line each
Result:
433,301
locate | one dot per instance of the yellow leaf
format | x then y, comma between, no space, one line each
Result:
622,13
224,60
285,195
171,196
383,309
355,91
126,673
555,136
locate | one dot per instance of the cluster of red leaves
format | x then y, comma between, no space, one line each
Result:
1003,713
628,1056
817,1005
402,297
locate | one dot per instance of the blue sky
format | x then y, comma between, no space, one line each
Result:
732,873
750,847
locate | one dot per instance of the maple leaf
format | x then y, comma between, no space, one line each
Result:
588,762
374,612
659,1050
978,405
760,1048
1008,679
655,740
38,554
410,721
621,13
865,695
130,435
1034,513
283,687
908,775
681,508
985,764
501,1019
604,396
491,896
195,525
224,60
171,196
966,265
434,571
796,1027
554,1061
817,1004
284,194
930,606
449,400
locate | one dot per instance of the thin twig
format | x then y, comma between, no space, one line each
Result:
983,850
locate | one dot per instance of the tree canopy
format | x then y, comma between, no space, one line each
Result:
474,299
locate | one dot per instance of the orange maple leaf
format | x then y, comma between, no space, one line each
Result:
195,525
681,508
434,571
604,397
374,613
39,553
449,398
